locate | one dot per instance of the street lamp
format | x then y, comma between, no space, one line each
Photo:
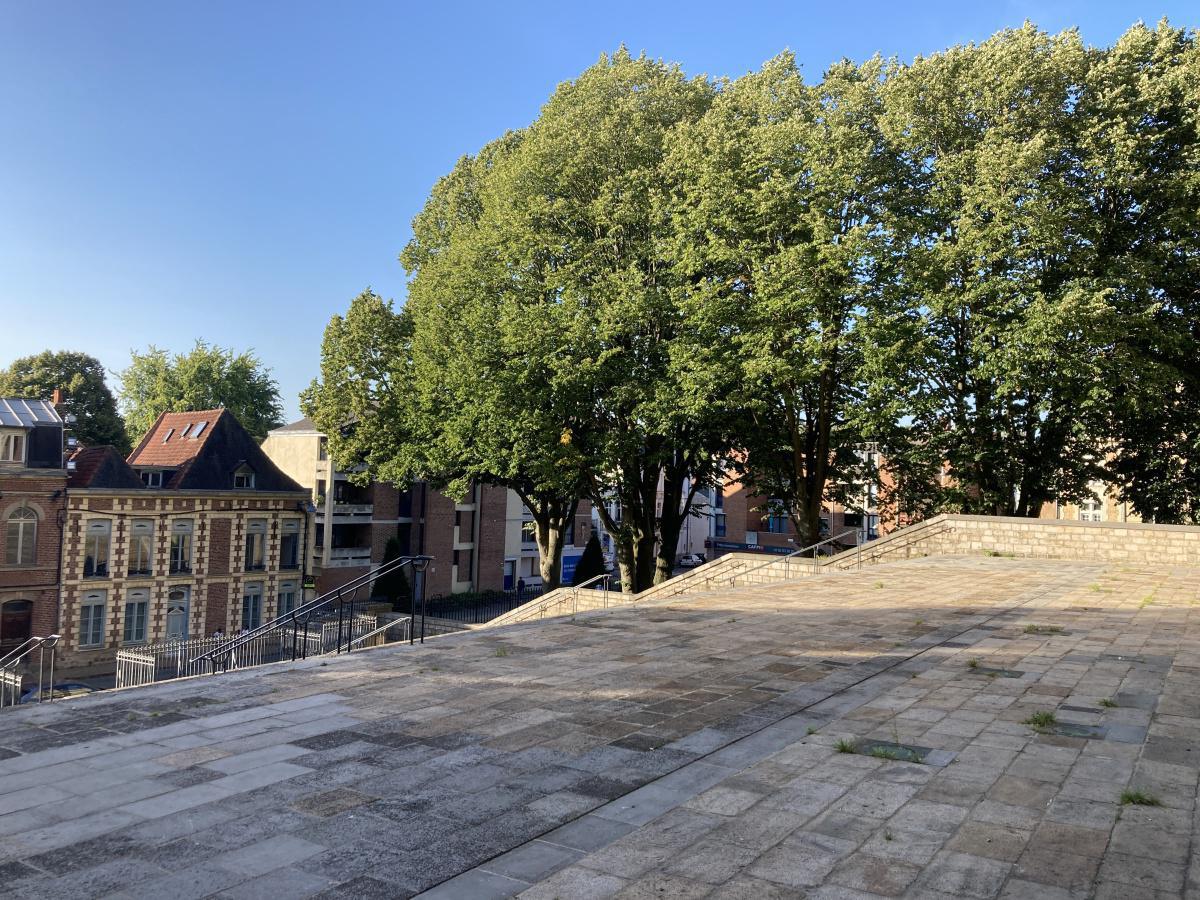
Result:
419,565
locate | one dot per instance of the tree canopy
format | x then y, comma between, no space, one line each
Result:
982,262
86,394
206,377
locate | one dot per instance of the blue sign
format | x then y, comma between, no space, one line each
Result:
569,564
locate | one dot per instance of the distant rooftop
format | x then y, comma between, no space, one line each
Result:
101,467
202,449
302,426
16,412
176,438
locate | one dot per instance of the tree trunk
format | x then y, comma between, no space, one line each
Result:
551,516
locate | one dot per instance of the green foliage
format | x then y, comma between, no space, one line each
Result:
1138,798
206,377
1041,720
86,395
591,563
982,262
779,206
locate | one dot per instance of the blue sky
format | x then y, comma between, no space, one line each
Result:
239,171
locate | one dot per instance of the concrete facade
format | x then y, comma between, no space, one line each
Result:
477,544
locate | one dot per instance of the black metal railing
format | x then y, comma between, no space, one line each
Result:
288,635
12,666
476,609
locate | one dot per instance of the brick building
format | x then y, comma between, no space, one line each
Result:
33,485
197,531
482,543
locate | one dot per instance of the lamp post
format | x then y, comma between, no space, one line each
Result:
419,565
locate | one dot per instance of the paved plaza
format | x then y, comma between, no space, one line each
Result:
747,743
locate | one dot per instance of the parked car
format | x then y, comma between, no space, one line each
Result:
61,691
691,560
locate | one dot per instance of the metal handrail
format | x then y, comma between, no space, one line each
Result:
407,623
300,616
575,588
31,644
897,538
786,559
8,668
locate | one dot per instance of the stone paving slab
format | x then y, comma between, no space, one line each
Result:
682,748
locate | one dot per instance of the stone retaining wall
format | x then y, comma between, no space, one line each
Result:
958,535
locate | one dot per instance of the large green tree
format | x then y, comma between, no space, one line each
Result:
582,217
206,377
86,394
1140,170
540,344
991,364
778,229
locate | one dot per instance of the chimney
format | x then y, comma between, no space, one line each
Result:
57,397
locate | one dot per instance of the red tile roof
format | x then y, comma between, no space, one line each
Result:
166,444
101,467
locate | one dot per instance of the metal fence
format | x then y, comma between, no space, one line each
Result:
475,609
18,664
179,659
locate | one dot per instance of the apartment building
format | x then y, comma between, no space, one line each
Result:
33,484
197,531
484,542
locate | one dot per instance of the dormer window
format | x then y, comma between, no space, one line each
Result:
12,447
243,479
152,478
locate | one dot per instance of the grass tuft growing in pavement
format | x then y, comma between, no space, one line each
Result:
972,663
1137,798
1042,719
844,746
1043,629
1108,702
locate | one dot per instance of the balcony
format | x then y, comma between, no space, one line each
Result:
350,511
348,557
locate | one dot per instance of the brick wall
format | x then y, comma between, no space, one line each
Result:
37,583
489,548
439,543
217,576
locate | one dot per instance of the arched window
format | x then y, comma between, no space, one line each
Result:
20,540
177,613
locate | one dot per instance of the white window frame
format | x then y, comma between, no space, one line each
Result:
23,522
256,545
139,597
97,533
288,592
12,447
152,478
89,619
184,600
290,528
252,598
182,532
141,536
